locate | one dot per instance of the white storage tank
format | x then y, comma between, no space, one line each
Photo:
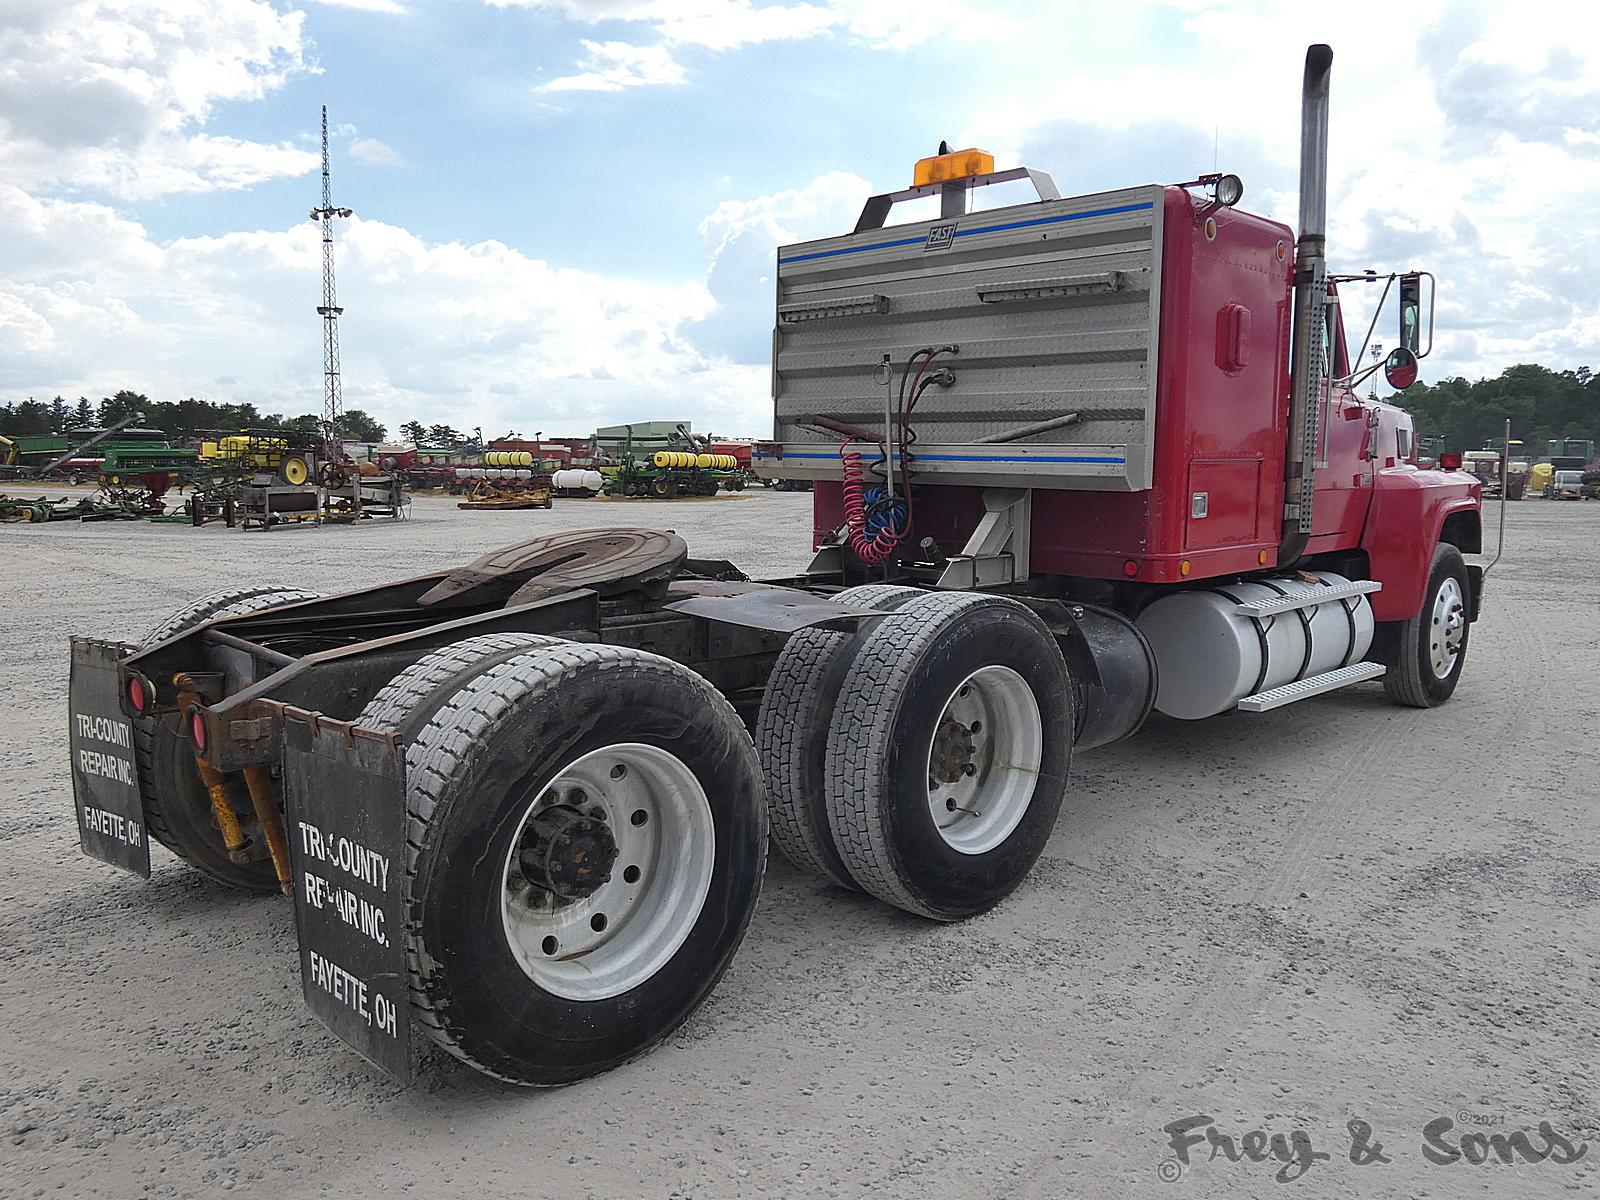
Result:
576,480
1210,654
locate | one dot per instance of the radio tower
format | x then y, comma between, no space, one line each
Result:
333,447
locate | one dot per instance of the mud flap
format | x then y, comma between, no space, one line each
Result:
105,780
345,816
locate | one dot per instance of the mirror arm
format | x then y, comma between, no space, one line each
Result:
1356,378
1372,325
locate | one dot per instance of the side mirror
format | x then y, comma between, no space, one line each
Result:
1400,368
1416,334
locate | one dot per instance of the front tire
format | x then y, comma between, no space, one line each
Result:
948,754
542,965
1430,649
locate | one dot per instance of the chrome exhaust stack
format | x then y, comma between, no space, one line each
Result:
1308,371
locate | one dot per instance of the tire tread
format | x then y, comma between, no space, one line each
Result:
858,738
443,751
792,705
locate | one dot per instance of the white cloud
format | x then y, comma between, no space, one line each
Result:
721,25
742,237
613,66
377,6
718,24
110,94
726,24
1462,143
379,154
469,334
825,206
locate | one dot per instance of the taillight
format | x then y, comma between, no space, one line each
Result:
197,729
1450,460
139,696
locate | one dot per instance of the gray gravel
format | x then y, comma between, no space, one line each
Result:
1342,910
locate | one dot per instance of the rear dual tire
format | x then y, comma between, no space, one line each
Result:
791,733
949,751
925,759
636,754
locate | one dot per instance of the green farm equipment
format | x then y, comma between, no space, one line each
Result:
668,474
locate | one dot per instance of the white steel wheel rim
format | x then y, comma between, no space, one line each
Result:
1005,733
1448,628
617,938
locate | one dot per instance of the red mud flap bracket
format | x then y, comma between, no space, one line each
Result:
345,817
105,781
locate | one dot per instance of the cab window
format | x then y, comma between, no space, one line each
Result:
1333,351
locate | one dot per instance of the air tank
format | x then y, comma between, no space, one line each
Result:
1210,654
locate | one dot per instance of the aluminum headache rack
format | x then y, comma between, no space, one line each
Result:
1053,306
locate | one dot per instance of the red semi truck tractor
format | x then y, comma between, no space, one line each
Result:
1074,460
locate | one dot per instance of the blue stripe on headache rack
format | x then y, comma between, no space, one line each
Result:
983,458
922,238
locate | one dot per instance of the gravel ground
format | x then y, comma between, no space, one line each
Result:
1341,911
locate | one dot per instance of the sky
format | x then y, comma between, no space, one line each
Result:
566,211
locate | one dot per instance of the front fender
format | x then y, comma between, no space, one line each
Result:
1404,524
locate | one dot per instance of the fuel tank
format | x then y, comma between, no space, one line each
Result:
1211,653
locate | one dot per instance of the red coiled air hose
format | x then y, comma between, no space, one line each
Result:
870,548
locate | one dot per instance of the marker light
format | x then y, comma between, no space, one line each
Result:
197,729
957,164
1450,460
1130,568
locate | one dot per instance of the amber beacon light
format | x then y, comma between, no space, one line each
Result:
957,164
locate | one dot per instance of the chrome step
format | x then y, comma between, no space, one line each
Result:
1312,595
1302,689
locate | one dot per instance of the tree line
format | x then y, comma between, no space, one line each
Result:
188,420
1543,405
180,420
